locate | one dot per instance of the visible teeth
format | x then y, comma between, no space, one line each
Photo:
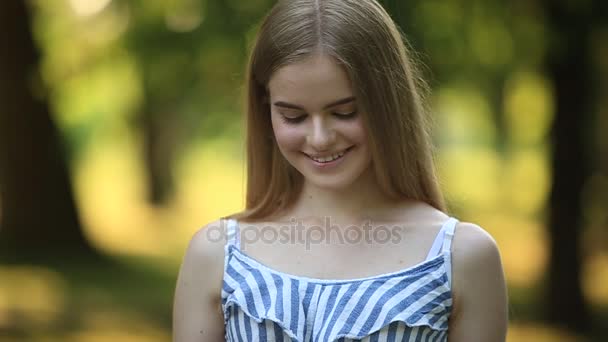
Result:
328,158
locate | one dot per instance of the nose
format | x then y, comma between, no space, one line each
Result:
322,135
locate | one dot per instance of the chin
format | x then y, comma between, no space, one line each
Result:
329,184
336,182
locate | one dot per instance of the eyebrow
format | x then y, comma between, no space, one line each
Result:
333,104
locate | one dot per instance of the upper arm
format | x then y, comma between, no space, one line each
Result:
480,295
197,313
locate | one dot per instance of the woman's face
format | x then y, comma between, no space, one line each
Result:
316,123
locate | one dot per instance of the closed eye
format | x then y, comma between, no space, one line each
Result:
293,120
345,116
300,118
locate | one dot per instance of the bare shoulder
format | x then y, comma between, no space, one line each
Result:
473,244
475,256
203,262
478,286
196,307
206,247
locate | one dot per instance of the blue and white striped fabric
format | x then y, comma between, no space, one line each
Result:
262,304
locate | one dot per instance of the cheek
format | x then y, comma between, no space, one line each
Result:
356,132
288,137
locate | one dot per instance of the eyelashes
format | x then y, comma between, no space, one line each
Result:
301,118
345,116
293,121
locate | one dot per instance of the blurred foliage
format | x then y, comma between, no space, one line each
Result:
106,61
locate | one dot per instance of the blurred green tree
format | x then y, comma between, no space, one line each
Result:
189,53
483,42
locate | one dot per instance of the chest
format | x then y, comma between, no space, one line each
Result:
345,254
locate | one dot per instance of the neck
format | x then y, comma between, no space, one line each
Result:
356,203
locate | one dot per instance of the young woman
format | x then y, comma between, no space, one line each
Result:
345,234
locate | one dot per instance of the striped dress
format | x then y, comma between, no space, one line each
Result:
263,304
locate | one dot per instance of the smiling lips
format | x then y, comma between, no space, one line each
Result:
328,158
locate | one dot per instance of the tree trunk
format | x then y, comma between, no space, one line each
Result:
158,151
568,67
38,213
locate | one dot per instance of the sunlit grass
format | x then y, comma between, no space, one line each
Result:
105,326
31,293
73,301
539,333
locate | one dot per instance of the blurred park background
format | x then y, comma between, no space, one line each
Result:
121,134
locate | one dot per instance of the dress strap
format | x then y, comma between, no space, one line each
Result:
443,240
233,237
436,247
450,227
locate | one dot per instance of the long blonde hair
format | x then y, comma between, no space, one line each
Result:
362,37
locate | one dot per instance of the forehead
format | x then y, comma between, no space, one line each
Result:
314,80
